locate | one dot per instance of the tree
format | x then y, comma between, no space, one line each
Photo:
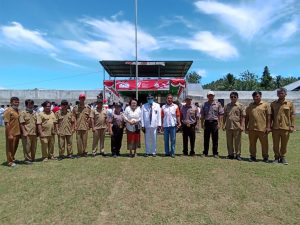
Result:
248,81
229,82
266,80
278,81
193,78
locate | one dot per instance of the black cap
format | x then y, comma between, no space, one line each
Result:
64,102
117,104
150,95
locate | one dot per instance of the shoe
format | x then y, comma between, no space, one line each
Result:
252,159
12,165
230,157
94,154
26,162
185,153
276,161
45,159
192,154
154,155
84,154
60,158
114,156
173,155
284,161
266,160
146,155
167,155
216,156
238,158
70,156
103,154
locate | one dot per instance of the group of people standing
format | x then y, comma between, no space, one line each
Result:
257,120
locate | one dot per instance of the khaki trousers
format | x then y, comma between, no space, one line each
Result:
11,148
263,139
29,147
233,138
81,137
48,146
98,135
64,141
280,141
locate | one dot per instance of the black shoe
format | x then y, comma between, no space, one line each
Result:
167,155
276,161
230,157
192,154
27,162
103,154
70,157
153,155
185,153
238,158
114,156
284,161
266,160
252,159
84,154
146,155
59,158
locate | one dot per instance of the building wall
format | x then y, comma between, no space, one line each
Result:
39,96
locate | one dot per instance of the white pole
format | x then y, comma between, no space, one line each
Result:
136,50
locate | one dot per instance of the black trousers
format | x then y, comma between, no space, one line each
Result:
211,129
188,132
116,140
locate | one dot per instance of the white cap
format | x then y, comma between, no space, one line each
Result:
210,93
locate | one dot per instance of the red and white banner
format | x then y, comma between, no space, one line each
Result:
143,85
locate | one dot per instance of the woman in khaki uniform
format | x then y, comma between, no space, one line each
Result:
46,125
28,120
65,127
12,130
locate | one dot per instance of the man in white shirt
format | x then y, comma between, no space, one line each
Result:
150,120
170,121
1,115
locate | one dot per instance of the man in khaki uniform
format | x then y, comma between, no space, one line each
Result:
283,118
65,127
257,124
28,119
81,114
99,124
234,122
12,130
46,125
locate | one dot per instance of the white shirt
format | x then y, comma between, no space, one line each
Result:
130,115
169,114
156,115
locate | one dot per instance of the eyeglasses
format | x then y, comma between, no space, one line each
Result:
233,96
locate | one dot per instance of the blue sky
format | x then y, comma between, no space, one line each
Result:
57,44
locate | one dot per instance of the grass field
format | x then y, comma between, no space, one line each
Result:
184,190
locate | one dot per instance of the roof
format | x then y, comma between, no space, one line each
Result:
147,68
293,86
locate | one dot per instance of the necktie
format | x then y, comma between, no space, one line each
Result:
150,113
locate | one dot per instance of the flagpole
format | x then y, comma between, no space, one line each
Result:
136,51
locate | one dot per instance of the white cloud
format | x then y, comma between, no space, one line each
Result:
167,22
201,72
287,30
16,35
56,58
112,40
215,46
248,19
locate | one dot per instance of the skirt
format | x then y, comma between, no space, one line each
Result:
133,140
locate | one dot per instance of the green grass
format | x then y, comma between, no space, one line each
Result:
157,190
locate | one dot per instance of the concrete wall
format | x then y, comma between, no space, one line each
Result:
39,96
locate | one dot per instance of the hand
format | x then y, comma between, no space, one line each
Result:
42,135
268,130
10,137
241,129
111,133
218,126
25,134
292,129
94,129
179,125
223,129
